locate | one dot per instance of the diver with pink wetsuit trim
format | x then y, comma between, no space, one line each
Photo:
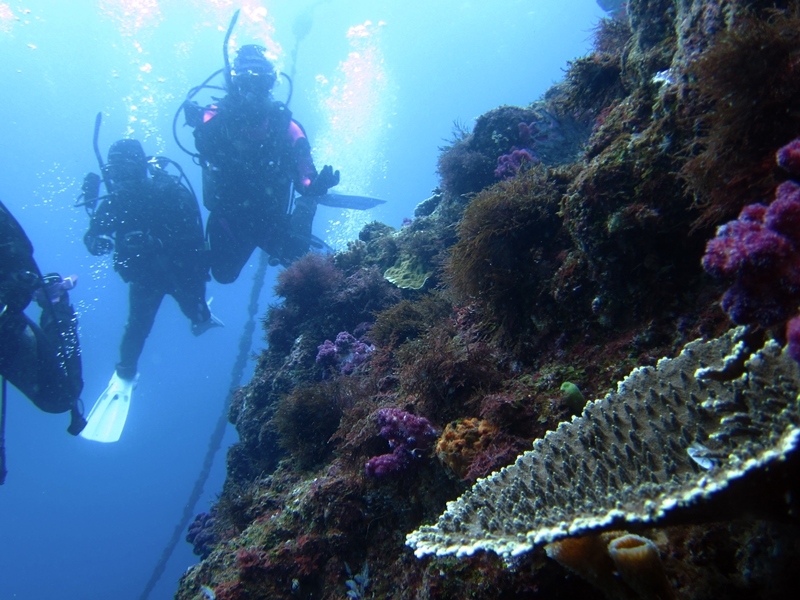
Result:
254,156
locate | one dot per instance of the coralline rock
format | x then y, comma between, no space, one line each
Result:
429,205
668,441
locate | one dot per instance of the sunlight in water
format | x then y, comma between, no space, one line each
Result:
255,24
131,15
356,104
7,18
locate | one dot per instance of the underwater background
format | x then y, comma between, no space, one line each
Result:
378,86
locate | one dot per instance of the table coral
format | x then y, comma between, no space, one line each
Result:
626,459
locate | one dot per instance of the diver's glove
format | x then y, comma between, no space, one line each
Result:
90,190
327,178
98,245
54,288
193,113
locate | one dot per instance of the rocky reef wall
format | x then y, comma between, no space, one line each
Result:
416,428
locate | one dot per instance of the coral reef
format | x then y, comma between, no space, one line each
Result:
760,252
626,459
409,438
344,354
408,273
637,560
201,534
584,266
463,440
508,165
622,565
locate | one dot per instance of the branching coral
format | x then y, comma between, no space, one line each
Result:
344,354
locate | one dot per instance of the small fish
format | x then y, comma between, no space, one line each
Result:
208,592
703,456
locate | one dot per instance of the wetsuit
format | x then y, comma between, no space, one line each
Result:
43,361
159,250
253,154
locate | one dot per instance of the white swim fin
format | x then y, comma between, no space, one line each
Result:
108,415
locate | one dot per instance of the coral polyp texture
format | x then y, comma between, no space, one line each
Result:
667,441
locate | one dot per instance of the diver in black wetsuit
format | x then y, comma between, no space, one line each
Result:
253,155
43,361
153,224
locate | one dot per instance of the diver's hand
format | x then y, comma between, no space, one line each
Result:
327,178
193,113
54,288
98,245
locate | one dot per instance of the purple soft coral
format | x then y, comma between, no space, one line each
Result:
346,353
326,354
201,534
788,157
409,437
760,252
508,165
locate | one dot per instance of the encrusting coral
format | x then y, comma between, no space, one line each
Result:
461,441
669,438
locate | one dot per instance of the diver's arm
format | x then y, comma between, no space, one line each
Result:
99,239
18,270
307,181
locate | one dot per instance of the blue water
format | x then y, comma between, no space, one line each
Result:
87,521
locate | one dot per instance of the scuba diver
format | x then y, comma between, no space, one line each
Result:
152,223
42,361
254,157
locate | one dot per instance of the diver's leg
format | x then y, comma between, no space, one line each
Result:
59,323
191,297
299,238
231,247
143,300
30,361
